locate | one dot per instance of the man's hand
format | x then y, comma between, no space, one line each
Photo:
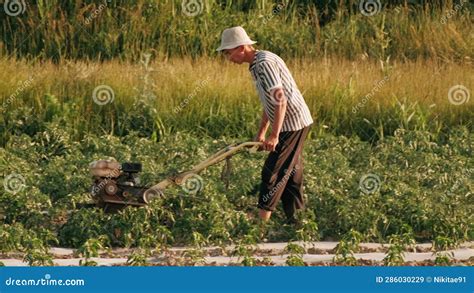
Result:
259,138
270,143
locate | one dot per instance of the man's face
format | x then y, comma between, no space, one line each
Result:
235,55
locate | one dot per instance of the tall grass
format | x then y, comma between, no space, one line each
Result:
406,57
212,97
104,30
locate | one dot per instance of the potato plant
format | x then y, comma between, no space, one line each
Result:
423,185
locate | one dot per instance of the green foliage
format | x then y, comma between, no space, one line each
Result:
82,225
13,237
295,254
138,257
90,249
444,243
33,243
245,249
344,251
308,229
295,28
415,186
196,255
36,247
424,185
440,246
37,254
399,243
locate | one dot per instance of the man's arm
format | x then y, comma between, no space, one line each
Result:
263,128
280,110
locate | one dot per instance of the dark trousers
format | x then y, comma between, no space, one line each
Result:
282,174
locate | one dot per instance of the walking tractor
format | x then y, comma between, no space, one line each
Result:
117,185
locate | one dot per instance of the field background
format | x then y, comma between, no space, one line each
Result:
390,94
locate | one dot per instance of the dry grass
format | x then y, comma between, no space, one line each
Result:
216,88
423,81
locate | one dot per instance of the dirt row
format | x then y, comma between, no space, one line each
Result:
272,254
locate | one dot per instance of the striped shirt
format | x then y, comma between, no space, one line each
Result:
269,72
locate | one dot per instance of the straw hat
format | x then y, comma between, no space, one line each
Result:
234,37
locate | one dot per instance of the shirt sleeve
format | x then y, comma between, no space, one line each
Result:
269,74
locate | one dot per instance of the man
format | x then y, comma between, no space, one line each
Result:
285,109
